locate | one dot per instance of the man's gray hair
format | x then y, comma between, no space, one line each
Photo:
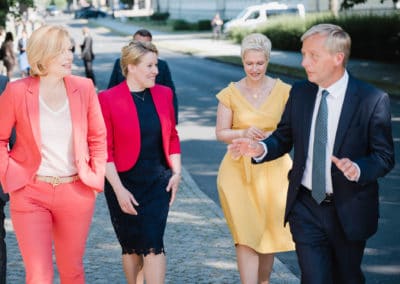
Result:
337,40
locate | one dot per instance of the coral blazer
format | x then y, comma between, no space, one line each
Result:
19,108
123,129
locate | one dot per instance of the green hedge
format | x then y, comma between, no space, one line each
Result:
159,16
183,25
373,37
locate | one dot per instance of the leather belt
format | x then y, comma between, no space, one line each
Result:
328,196
54,181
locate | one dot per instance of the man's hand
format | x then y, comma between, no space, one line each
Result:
245,147
349,169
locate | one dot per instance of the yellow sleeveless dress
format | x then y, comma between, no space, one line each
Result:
253,197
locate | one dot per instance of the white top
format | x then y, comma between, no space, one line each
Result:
57,145
334,100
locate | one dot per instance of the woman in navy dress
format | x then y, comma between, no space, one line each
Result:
144,166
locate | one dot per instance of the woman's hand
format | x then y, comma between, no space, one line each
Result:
254,133
126,200
173,186
267,134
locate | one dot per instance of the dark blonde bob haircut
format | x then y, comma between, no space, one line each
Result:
133,53
44,44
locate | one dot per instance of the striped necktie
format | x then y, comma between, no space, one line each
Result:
319,152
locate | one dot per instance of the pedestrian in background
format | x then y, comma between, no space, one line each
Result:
216,24
8,55
144,162
252,196
22,58
57,163
87,54
3,70
340,129
163,77
3,200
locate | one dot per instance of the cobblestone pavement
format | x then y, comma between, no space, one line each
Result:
198,245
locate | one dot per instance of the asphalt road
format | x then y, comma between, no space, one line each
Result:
197,82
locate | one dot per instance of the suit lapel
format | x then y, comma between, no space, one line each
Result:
32,104
350,104
75,107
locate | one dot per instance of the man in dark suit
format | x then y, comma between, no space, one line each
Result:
87,54
340,129
3,200
163,77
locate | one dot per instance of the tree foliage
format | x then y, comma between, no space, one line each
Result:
15,7
347,4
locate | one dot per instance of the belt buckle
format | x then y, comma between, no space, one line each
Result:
328,198
55,181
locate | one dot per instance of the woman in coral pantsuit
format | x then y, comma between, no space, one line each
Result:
57,163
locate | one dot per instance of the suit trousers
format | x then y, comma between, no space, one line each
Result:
325,255
3,250
42,214
89,70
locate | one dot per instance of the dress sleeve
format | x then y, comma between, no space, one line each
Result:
224,96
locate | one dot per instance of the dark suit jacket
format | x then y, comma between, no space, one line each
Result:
123,128
163,78
87,49
3,83
364,136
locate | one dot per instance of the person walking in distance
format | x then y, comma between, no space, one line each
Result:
216,24
7,51
340,128
22,58
87,54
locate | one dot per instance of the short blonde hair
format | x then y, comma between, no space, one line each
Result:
45,44
133,53
258,42
337,40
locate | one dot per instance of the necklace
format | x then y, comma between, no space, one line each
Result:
256,92
137,94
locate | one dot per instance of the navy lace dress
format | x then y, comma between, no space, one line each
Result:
147,180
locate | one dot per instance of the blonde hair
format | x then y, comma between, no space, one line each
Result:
258,42
133,53
337,40
45,44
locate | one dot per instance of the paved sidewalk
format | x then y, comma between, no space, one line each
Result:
198,245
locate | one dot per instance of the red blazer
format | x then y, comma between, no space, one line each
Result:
123,129
19,108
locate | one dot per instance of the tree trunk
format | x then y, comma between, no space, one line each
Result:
334,7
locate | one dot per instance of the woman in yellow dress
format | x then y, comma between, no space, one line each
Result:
253,197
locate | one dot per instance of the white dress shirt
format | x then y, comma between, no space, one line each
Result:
57,145
334,100
337,92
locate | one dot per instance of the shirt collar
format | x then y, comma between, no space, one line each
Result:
335,88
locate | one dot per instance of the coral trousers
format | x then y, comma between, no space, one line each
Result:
42,214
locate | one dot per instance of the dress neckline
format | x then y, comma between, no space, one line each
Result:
140,95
